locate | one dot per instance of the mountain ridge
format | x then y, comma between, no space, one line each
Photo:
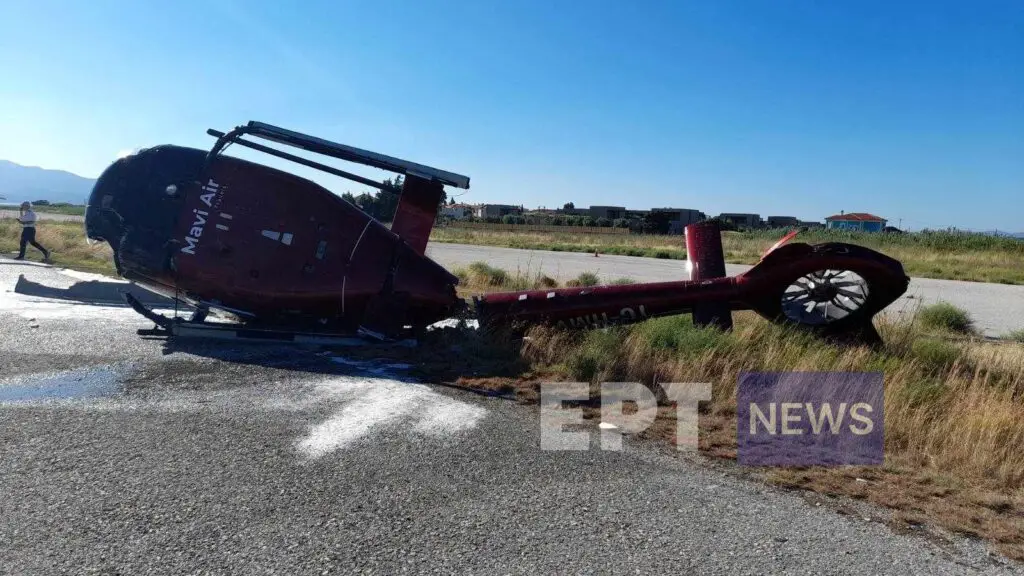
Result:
19,183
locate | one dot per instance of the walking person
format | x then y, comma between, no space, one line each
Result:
28,220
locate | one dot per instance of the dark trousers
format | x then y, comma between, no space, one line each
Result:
28,236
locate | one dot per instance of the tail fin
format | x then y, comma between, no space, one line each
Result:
417,209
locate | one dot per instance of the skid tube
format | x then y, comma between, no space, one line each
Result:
178,328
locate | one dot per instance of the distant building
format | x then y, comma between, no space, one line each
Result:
856,221
496,210
783,221
609,212
679,218
810,224
457,211
573,211
742,220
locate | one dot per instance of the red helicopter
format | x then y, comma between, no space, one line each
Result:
284,256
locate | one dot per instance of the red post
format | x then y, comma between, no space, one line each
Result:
706,260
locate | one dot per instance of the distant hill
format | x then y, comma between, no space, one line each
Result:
1017,235
19,183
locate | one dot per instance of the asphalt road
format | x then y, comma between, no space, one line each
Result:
126,456
996,308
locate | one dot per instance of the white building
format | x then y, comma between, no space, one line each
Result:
457,211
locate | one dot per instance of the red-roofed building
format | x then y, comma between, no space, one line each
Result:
856,221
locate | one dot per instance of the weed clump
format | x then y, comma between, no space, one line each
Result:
584,279
946,317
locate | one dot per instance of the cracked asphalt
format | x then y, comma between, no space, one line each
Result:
129,456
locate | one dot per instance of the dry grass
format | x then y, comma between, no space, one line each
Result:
954,421
65,240
482,277
937,255
954,416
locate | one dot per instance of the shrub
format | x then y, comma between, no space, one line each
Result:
487,275
677,333
947,317
545,281
596,354
935,355
922,391
584,279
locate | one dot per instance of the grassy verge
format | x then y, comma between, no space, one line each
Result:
954,420
946,255
60,208
68,209
65,240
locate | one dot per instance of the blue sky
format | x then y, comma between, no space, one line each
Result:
909,110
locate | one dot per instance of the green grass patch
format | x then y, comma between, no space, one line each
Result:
946,317
934,354
679,335
594,355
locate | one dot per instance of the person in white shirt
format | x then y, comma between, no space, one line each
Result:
28,220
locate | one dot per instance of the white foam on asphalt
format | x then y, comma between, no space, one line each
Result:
39,308
90,277
35,308
376,367
358,405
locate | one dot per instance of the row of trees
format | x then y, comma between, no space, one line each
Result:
654,223
558,220
383,204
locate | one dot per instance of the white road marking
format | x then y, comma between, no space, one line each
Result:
368,404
